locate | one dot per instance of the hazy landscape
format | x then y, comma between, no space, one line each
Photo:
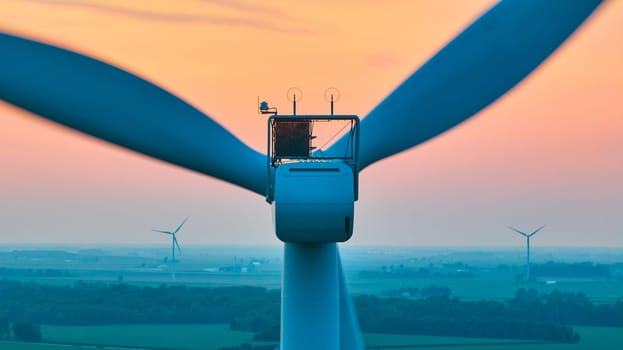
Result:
475,115
586,283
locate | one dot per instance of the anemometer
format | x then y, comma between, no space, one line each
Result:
312,192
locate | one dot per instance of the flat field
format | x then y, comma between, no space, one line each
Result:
235,266
598,338
173,336
211,337
217,266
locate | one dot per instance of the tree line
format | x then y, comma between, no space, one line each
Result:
528,315
21,331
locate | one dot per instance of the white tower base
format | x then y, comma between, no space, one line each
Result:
310,307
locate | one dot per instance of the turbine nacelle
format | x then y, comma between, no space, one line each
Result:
313,195
314,202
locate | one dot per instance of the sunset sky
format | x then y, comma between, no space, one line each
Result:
549,152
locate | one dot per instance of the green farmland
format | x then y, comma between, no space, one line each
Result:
377,272
174,336
210,337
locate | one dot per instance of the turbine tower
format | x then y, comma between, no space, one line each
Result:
528,236
480,65
174,243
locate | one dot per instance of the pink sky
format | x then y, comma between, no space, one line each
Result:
548,152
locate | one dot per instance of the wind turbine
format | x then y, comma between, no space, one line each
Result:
528,236
480,65
174,243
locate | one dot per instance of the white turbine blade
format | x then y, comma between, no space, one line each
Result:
177,244
165,232
536,231
180,226
516,230
114,105
481,64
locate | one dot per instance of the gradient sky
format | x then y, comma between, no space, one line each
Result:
549,152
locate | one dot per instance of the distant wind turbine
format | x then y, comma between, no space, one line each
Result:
527,235
174,243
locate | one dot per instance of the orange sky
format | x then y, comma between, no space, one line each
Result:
548,152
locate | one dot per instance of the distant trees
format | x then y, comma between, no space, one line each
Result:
98,304
5,328
268,332
400,272
576,270
565,308
529,315
13,273
24,331
452,270
452,317
21,331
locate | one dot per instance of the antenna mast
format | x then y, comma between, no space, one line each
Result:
332,95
